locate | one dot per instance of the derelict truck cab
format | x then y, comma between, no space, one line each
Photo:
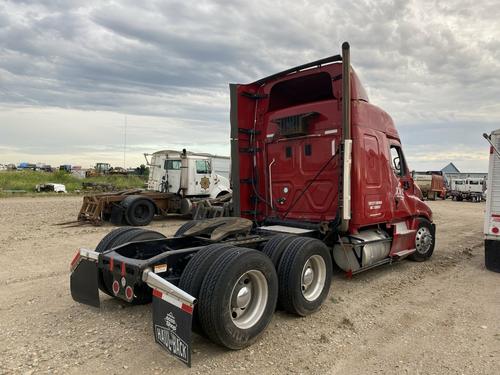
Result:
186,172
318,176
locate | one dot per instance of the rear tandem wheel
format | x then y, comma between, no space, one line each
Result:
305,274
238,297
119,237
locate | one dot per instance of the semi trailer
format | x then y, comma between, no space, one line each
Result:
318,175
492,212
179,182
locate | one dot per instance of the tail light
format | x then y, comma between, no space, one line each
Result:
129,293
116,287
75,260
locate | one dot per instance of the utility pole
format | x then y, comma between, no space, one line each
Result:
125,143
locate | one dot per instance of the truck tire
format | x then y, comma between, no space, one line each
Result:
195,271
275,247
142,293
305,275
139,211
105,244
185,227
425,240
246,281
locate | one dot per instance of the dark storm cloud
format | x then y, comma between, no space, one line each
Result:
434,66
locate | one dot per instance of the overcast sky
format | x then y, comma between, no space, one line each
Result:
72,72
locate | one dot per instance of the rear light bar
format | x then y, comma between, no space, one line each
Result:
82,253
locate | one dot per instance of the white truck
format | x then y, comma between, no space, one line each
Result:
179,182
202,173
492,212
470,188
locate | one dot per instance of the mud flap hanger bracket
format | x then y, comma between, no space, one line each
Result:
159,283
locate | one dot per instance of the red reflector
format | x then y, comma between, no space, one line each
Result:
157,293
187,308
129,293
123,269
75,259
495,230
116,287
111,264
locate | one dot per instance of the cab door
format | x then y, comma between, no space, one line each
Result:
172,176
401,183
202,176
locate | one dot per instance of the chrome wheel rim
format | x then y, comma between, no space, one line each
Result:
248,299
423,240
313,277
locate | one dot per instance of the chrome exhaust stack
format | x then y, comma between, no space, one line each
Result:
346,138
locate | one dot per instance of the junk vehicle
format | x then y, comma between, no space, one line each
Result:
492,212
103,169
318,175
432,184
99,169
470,189
65,168
51,187
179,182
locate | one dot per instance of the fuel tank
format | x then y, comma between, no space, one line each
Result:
362,250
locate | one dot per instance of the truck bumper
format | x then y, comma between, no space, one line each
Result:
492,255
172,307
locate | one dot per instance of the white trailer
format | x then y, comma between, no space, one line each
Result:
492,212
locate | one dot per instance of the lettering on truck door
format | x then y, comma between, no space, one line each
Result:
373,185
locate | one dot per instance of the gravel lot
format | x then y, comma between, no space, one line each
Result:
441,316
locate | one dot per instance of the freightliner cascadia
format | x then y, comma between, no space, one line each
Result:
318,176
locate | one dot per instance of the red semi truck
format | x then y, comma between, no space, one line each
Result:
318,175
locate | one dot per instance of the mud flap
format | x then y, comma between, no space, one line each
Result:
172,321
116,217
83,283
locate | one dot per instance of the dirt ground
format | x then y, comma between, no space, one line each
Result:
437,317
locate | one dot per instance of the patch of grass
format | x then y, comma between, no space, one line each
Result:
27,180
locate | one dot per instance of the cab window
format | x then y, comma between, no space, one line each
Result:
173,164
203,167
397,161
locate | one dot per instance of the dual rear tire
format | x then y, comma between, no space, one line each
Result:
238,288
305,274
